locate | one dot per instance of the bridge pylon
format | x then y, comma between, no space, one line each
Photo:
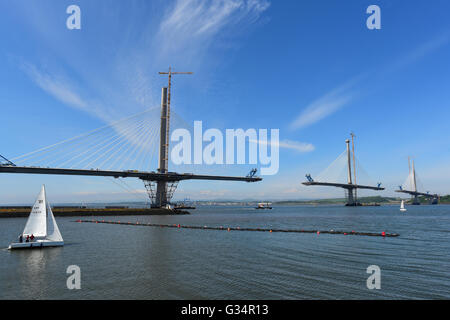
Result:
350,187
160,185
412,184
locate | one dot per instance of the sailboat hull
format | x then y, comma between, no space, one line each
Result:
35,244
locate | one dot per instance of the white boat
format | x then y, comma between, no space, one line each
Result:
41,229
402,206
264,205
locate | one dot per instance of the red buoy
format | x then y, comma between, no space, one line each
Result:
383,234
318,232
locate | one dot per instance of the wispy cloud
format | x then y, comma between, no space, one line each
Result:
55,86
322,108
194,21
338,98
288,144
296,145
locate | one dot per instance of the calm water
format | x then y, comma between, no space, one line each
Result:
127,262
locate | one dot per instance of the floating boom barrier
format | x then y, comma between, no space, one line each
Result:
221,228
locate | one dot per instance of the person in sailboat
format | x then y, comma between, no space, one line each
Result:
20,238
42,223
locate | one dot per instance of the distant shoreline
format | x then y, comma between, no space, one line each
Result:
20,212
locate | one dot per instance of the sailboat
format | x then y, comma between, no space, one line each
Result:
41,229
402,206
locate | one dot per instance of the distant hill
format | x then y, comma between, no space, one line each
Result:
443,200
375,199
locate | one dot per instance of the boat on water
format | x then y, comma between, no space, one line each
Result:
185,204
402,206
263,205
41,229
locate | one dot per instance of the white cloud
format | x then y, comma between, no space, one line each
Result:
343,95
288,144
58,88
296,145
320,109
189,21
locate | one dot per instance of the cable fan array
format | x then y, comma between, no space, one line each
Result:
129,143
337,172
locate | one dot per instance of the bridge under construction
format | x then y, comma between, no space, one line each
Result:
410,187
160,185
351,186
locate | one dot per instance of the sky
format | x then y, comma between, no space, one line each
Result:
310,68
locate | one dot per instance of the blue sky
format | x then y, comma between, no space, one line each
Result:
309,68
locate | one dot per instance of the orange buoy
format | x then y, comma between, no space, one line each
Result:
270,231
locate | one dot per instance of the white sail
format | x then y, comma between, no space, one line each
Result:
37,221
53,233
402,206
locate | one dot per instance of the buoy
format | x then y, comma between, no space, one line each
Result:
331,231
